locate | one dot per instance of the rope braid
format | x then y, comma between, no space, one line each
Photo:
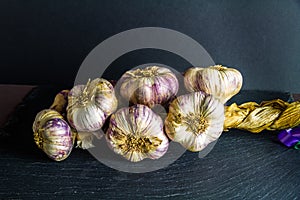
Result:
269,115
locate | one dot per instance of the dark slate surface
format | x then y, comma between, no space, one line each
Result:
242,165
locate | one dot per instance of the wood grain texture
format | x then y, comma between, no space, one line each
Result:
242,165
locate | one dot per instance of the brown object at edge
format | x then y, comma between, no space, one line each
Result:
11,96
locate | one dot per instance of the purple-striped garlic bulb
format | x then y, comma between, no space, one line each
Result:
136,133
88,107
195,120
149,86
53,135
222,82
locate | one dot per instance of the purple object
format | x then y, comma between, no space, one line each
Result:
289,137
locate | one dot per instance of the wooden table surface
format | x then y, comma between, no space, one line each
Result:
242,165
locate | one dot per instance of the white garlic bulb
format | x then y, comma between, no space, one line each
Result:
222,82
136,133
89,106
149,86
195,120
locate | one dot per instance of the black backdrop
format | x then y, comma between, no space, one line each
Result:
45,42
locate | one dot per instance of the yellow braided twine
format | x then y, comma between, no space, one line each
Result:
269,115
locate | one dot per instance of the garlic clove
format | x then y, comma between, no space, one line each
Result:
137,133
149,86
195,120
220,81
53,135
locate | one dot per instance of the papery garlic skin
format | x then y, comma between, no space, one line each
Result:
136,133
149,86
222,82
89,105
84,140
195,120
53,135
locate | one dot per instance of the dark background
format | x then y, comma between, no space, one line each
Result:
45,42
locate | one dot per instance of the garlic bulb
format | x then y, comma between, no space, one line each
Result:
149,86
222,82
137,133
195,120
88,107
52,134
